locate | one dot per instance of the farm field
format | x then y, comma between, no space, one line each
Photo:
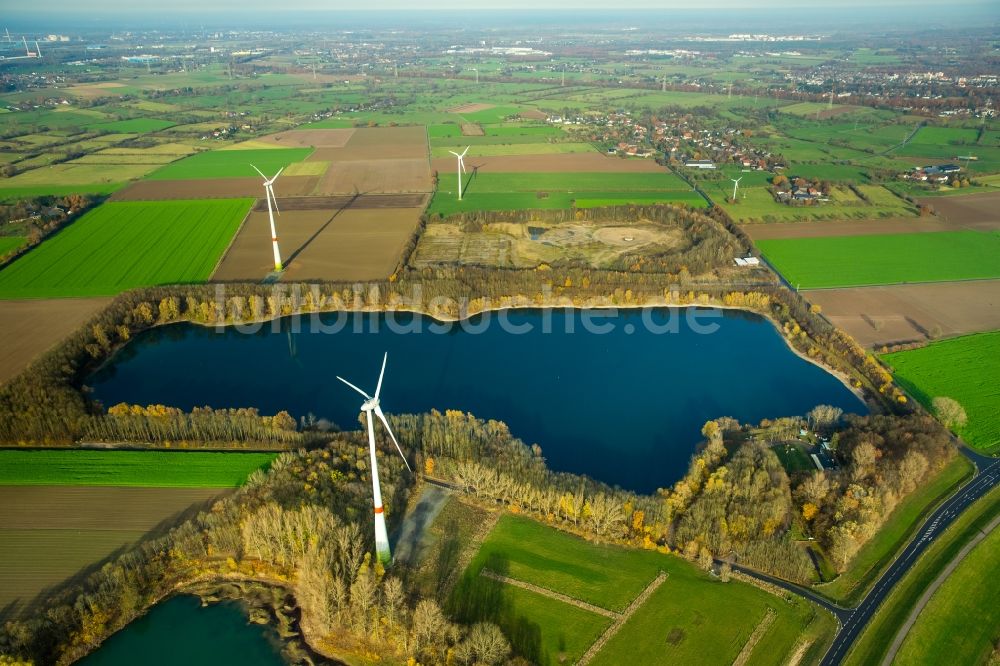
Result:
828,228
165,242
978,211
702,619
329,243
589,162
811,263
966,369
32,327
942,632
135,125
882,315
230,164
84,177
874,642
160,469
11,243
756,205
513,191
213,188
50,533
498,149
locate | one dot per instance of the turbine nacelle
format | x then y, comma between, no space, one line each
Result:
371,406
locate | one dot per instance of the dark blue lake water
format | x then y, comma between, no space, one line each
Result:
625,406
181,632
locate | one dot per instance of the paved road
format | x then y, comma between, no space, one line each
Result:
854,620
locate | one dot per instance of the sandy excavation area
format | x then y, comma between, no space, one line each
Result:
34,326
877,316
353,243
558,163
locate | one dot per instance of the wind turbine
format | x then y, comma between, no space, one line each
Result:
269,195
370,406
461,168
736,184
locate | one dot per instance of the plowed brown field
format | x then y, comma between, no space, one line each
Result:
971,211
218,188
31,327
901,313
333,244
51,533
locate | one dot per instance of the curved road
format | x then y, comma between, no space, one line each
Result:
858,617
853,620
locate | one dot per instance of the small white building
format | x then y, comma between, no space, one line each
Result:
700,164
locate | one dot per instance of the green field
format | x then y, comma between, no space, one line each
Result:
122,245
10,243
706,621
136,125
966,369
85,467
811,263
960,623
14,193
523,191
873,643
230,164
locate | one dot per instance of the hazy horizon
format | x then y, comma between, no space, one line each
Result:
708,16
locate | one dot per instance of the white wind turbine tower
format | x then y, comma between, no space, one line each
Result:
736,184
460,168
269,195
370,406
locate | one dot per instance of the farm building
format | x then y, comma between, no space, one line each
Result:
700,164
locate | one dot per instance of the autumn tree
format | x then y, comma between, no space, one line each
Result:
949,412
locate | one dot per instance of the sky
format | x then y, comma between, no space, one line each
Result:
132,6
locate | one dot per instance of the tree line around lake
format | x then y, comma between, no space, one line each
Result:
302,526
47,404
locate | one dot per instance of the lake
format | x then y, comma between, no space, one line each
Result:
182,632
619,396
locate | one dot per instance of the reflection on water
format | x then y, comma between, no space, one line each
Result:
624,406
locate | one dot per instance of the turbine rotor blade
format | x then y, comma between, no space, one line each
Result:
260,172
465,151
277,174
461,163
455,154
378,388
367,397
385,422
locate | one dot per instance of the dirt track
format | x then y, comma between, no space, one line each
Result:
34,326
566,162
332,244
902,313
218,188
